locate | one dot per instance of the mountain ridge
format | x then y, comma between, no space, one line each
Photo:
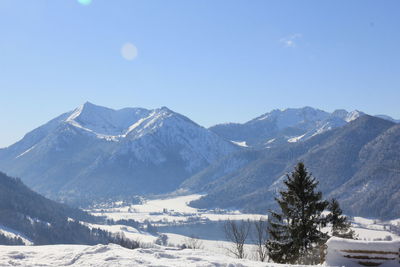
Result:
336,158
94,151
288,125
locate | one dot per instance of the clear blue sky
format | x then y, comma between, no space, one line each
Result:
213,61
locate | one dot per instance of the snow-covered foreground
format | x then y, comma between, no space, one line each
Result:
174,240
163,213
355,253
114,255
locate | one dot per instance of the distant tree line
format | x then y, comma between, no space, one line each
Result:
10,241
127,222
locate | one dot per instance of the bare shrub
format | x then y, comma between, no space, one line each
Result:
237,233
260,236
193,242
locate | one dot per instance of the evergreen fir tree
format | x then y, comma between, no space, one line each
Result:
294,233
340,224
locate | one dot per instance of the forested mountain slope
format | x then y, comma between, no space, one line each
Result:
358,163
43,221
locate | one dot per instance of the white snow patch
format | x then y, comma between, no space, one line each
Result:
264,117
351,116
25,152
240,143
270,141
324,128
295,139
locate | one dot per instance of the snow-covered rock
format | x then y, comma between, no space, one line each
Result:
356,253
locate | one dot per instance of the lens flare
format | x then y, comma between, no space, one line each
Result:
129,51
85,2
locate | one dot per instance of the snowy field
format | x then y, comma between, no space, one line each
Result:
170,210
114,255
174,240
176,211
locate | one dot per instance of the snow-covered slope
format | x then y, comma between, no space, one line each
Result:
356,163
105,122
95,151
114,255
289,125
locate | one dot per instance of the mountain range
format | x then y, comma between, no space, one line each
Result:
282,126
95,153
359,164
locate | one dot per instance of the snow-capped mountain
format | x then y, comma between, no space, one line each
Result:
94,152
280,126
105,122
356,164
